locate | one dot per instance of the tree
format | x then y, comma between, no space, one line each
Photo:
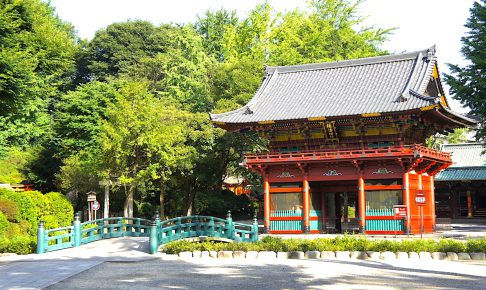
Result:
330,30
77,117
179,73
468,83
144,139
36,58
456,137
213,26
120,46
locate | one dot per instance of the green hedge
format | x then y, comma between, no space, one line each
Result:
20,245
345,243
26,206
3,224
20,213
60,207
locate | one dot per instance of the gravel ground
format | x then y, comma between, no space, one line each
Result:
278,274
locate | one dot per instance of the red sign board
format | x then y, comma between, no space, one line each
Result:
400,211
420,197
95,205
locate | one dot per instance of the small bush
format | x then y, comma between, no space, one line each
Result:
61,208
3,224
455,246
10,209
41,203
26,206
4,243
473,246
21,245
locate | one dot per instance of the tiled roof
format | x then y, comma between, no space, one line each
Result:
462,174
466,155
352,87
468,162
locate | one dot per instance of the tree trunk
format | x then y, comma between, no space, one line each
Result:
191,195
128,206
161,200
125,207
106,213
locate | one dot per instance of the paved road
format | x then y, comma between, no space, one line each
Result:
124,264
290,274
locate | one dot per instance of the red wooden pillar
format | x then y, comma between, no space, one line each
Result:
406,199
306,201
266,203
432,202
469,205
361,203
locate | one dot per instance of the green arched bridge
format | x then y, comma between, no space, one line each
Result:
159,232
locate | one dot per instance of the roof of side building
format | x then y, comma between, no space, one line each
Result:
469,162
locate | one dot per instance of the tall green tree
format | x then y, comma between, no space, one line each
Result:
146,139
36,60
77,117
330,30
468,83
120,46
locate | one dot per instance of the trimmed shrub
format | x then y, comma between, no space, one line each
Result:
454,246
26,206
4,243
21,245
3,224
345,243
41,203
474,246
10,209
60,208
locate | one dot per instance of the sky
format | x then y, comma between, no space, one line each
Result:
419,23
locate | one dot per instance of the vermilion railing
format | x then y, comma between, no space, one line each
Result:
416,150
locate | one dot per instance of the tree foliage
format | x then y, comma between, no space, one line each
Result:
36,57
468,83
134,106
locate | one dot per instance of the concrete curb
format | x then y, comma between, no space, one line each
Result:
341,255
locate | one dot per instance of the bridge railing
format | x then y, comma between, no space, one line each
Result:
159,232
114,228
200,226
82,233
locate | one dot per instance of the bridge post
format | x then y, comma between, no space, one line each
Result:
154,240
230,227
77,230
254,237
40,238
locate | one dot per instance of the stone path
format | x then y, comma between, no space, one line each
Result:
124,263
39,271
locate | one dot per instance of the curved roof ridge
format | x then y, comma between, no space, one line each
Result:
345,63
258,96
423,97
459,115
407,91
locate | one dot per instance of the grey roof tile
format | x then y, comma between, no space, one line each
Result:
466,155
352,87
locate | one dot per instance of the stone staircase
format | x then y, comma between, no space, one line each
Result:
480,213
